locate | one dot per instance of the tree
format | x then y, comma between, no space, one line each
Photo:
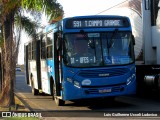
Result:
12,15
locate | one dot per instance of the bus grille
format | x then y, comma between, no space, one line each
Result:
96,91
103,72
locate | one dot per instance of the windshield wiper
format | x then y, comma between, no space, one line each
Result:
92,46
112,40
91,43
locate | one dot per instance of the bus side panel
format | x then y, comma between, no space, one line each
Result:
26,64
33,72
44,77
50,63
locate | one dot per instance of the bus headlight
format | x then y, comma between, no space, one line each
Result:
129,80
76,84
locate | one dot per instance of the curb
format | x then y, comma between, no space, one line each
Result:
26,106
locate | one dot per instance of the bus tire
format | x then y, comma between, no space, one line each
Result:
34,91
51,87
58,101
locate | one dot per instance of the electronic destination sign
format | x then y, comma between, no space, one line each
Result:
96,22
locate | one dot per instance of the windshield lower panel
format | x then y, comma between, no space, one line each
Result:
98,49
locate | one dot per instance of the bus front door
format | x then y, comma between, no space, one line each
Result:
58,69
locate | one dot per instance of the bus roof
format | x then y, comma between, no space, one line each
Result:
54,26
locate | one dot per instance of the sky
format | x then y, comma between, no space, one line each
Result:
75,8
86,7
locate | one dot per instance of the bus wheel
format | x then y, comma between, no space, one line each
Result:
34,91
58,101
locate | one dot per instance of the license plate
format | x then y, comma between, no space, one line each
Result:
105,90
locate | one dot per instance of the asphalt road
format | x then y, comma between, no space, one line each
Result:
125,106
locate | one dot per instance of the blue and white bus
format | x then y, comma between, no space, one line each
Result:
83,57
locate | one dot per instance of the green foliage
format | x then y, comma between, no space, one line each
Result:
11,14
26,24
7,6
51,8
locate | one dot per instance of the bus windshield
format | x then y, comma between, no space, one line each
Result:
98,49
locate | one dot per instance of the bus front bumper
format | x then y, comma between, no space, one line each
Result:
73,92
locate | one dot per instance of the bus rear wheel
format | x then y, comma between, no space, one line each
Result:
58,101
34,91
